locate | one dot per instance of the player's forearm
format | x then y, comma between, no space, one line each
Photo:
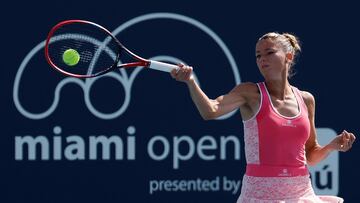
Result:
206,107
318,154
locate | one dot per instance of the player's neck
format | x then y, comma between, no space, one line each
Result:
278,88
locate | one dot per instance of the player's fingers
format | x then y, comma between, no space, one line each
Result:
182,73
188,74
342,141
351,139
347,134
173,72
183,68
187,69
347,140
180,64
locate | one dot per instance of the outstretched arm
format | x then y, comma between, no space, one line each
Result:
314,152
210,108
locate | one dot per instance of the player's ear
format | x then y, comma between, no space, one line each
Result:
289,56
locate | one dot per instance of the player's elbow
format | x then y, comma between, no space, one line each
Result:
210,111
208,116
313,154
310,163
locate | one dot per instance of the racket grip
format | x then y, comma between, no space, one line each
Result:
166,67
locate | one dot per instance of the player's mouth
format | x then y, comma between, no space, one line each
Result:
265,66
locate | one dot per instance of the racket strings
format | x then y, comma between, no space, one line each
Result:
97,50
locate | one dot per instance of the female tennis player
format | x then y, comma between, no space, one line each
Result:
279,127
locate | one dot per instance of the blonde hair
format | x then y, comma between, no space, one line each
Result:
289,43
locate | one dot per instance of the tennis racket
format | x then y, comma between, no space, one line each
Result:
84,49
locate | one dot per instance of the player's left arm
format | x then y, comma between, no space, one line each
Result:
314,151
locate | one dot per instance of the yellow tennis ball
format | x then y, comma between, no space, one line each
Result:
71,57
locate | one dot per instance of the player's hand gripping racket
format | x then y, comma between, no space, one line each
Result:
84,49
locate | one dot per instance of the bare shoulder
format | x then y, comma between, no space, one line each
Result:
249,94
245,88
309,99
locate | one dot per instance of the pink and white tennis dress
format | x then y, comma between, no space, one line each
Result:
275,154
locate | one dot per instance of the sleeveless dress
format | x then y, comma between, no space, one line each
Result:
276,169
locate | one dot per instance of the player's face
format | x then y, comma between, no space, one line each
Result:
271,59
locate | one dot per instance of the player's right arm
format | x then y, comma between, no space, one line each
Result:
213,108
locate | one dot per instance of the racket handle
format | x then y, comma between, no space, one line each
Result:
166,67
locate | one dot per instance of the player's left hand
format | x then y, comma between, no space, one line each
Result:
343,142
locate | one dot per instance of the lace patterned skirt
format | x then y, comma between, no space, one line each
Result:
296,189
